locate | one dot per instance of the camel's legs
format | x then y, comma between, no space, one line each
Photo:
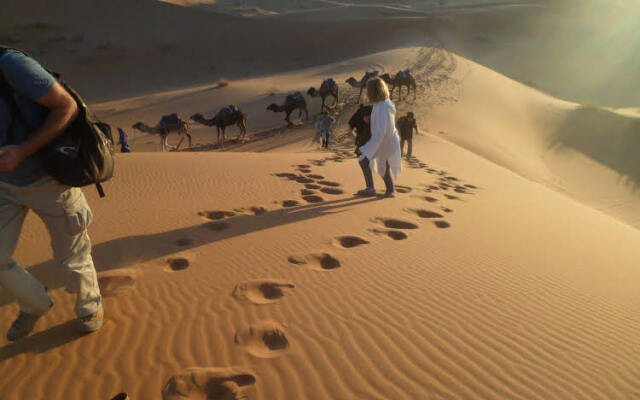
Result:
306,112
163,142
286,118
180,141
243,128
218,131
224,137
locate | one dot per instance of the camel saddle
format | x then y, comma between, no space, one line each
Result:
170,120
294,97
327,84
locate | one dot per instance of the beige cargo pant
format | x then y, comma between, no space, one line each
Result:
67,215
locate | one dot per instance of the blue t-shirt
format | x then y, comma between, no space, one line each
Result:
30,81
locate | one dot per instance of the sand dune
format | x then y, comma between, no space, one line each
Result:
505,268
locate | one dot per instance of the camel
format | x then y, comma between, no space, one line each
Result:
363,82
328,88
167,124
229,115
402,78
291,102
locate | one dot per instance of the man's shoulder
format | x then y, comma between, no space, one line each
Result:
10,57
25,74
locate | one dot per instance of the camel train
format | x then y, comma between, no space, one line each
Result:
229,115
294,101
167,124
329,87
232,115
402,78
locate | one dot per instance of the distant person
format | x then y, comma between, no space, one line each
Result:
324,126
406,125
123,141
382,151
34,109
360,121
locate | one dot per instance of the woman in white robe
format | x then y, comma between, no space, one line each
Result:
382,152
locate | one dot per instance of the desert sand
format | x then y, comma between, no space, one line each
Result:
506,267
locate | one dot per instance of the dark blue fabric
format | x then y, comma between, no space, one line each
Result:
368,176
29,81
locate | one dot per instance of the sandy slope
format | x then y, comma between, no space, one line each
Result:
516,299
494,274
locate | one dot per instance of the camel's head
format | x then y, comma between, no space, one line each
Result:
196,117
138,125
371,74
272,107
351,80
312,92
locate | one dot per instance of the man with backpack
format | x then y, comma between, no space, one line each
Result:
34,110
405,125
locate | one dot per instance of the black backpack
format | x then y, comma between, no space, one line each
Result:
81,155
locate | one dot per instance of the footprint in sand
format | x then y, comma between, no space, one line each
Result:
290,203
256,210
183,242
315,176
304,170
347,242
265,339
442,224
424,213
261,291
178,263
286,175
471,186
303,166
217,226
447,210
216,215
430,199
116,281
462,189
451,197
304,179
209,384
318,262
395,223
312,186
329,183
313,199
403,189
452,178
395,235
330,190
307,192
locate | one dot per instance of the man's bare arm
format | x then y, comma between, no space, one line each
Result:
62,110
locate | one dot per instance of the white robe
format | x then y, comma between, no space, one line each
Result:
384,145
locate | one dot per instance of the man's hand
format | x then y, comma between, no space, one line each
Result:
10,157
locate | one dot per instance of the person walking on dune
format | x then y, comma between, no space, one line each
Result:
123,141
35,109
382,152
324,125
406,125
